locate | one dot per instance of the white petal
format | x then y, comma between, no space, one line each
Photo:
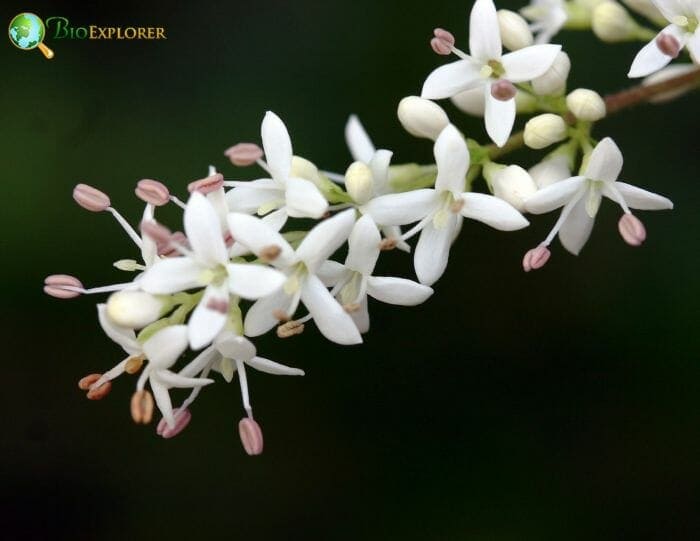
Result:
251,281
402,208
203,231
361,316
605,162
235,347
693,45
172,275
452,160
160,393
433,250
257,235
358,141
363,246
149,248
123,336
325,238
492,211
530,62
451,79
205,323
499,117
394,232
164,347
331,272
204,359
179,381
397,290
670,8
576,228
484,33
379,164
254,194
554,196
271,367
637,198
276,219
260,317
304,200
650,58
331,319
277,145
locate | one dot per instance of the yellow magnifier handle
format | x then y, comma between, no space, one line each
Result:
48,53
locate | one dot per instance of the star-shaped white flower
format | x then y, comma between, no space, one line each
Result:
293,196
352,282
162,351
547,16
581,196
684,31
300,266
208,265
440,210
487,67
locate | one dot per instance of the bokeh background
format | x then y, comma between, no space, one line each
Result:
562,404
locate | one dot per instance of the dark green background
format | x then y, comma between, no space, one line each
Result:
557,405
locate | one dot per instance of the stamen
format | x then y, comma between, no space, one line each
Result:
503,90
536,258
178,202
207,185
91,198
126,227
457,205
182,419
177,245
280,315
291,328
218,305
632,230
443,42
86,382
270,253
157,232
388,244
134,364
244,154
142,407
98,393
251,436
62,286
152,192
668,45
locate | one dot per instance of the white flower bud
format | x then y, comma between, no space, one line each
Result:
134,309
586,104
359,182
421,117
303,168
612,23
513,184
515,32
669,72
544,130
553,81
550,170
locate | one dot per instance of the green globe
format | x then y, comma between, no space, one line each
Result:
26,31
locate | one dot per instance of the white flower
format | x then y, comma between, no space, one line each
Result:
514,185
440,211
207,265
302,283
488,69
684,31
293,196
547,16
162,351
353,281
581,196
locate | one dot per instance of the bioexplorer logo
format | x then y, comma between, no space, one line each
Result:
27,32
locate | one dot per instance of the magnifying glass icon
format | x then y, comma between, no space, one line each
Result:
27,32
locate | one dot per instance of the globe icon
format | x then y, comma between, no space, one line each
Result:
27,32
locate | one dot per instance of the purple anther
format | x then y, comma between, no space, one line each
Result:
182,419
218,305
156,231
443,42
632,230
207,185
668,45
170,248
251,436
536,258
91,198
153,192
244,154
503,90
60,286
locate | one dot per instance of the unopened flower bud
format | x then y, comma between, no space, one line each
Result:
244,154
550,170
421,117
544,130
62,286
153,192
536,258
91,198
632,230
612,23
133,309
207,184
503,90
668,45
586,104
182,418
470,101
359,182
251,436
513,184
442,42
553,81
669,72
515,32
142,407
303,168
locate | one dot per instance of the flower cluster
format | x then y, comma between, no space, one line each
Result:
258,255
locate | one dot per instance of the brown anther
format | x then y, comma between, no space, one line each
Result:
291,328
388,244
85,383
503,90
142,407
668,45
457,206
351,307
281,315
152,192
218,305
207,185
443,42
134,364
270,253
98,393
